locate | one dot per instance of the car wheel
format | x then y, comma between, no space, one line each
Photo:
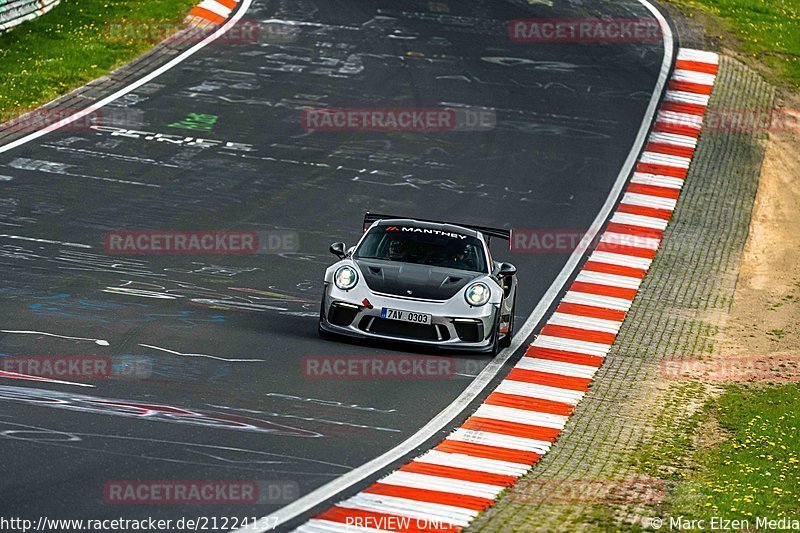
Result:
506,341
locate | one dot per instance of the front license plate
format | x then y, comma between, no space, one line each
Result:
405,316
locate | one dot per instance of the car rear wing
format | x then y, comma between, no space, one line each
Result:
505,234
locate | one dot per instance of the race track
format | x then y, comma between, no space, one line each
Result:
224,337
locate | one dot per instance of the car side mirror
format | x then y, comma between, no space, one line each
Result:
337,249
506,270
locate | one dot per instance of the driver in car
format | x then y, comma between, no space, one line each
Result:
459,257
397,251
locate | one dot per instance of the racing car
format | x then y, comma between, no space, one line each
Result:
421,281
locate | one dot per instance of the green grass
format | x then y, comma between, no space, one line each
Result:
665,455
766,30
755,471
71,45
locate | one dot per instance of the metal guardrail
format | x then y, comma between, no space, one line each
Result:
15,12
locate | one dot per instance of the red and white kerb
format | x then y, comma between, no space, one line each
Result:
445,488
214,11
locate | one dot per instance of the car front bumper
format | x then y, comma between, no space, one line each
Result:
453,325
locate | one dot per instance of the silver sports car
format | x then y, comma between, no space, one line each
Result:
421,281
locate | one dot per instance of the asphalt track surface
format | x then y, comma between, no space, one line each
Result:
567,115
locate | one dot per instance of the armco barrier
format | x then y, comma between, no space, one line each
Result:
15,12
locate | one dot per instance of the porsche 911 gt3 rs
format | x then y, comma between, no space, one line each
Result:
421,281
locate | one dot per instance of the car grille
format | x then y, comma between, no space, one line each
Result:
397,328
340,315
469,331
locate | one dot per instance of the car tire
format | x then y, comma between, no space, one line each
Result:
506,341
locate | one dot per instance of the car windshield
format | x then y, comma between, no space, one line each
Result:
423,246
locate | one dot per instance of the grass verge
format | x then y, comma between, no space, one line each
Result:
76,43
767,31
755,471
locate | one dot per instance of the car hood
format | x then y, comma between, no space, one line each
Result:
424,281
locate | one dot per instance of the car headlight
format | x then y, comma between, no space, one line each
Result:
477,294
345,277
